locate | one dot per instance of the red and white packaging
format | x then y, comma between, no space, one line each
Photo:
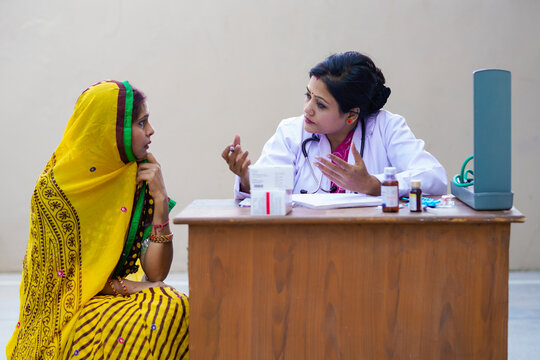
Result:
271,189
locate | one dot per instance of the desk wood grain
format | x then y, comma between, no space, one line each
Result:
351,284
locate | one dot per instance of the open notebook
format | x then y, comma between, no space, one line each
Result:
334,201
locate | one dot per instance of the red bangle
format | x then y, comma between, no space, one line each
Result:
112,286
159,227
123,286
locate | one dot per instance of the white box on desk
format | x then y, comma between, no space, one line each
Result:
271,177
271,189
271,202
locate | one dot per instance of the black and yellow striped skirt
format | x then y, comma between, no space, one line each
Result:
151,324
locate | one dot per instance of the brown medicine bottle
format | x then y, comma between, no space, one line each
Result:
390,191
415,196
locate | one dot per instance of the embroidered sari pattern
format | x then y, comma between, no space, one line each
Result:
53,287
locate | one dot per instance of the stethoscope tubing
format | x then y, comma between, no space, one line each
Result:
317,139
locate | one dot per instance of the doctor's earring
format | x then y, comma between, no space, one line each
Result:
353,115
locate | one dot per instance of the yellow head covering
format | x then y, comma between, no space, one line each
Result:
81,210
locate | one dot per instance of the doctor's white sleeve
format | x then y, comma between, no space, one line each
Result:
407,154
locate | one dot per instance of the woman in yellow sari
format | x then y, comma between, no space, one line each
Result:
100,219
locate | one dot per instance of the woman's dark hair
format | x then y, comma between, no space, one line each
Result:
354,81
138,98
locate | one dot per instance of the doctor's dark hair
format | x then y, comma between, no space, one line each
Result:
354,81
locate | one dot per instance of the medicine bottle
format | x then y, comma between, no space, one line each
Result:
390,191
415,196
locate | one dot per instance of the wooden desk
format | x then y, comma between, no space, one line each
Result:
347,283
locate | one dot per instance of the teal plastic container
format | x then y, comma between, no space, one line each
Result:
492,143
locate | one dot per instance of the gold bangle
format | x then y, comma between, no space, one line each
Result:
123,286
114,289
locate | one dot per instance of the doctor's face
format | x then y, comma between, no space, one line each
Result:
321,111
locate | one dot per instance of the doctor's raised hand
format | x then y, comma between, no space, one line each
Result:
238,162
348,176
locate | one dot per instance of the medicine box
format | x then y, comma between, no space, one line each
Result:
271,189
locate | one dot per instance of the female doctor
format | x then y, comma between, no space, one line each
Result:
344,139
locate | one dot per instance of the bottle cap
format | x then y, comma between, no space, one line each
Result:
389,170
415,184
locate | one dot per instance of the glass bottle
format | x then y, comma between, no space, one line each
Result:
390,191
415,196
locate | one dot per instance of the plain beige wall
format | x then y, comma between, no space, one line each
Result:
213,69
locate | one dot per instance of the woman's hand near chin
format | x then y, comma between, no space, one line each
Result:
151,173
157,260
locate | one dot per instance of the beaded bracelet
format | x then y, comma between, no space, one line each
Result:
112,286
159,227
161,239
123,286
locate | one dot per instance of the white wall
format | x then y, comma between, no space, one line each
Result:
213,69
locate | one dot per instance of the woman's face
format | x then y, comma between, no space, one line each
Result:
141,130
321,111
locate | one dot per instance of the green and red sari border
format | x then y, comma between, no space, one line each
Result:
124,116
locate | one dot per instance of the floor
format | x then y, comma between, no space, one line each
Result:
523,315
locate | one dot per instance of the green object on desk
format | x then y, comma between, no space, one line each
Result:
462,179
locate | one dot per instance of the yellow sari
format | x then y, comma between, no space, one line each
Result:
87,221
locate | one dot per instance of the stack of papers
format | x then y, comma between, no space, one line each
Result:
334,201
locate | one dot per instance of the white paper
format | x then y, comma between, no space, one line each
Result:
334,201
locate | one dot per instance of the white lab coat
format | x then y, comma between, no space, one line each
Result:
389,142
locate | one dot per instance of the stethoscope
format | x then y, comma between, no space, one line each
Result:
317,139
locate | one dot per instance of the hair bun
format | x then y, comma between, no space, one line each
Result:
354,81
380,96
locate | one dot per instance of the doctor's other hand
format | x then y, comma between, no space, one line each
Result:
238,162
347,176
